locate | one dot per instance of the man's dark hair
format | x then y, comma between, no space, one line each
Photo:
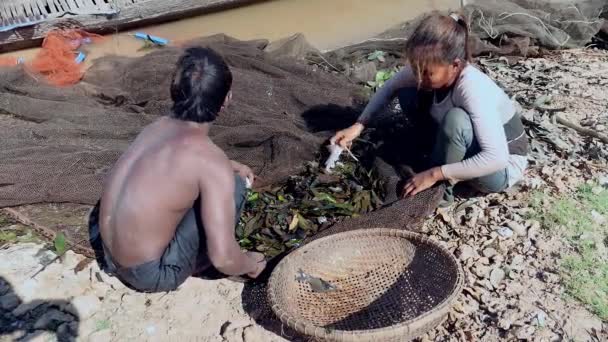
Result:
200,85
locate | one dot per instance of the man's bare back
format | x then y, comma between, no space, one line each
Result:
152,186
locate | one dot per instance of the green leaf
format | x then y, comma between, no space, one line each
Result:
381,76
59,243
321,196
253,196
377,55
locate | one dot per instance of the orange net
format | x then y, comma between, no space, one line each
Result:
8,61
57,60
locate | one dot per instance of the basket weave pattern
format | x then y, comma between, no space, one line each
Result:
391,285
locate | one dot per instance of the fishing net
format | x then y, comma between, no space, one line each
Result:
8,61
59,60
498,27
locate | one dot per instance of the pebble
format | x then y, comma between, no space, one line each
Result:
481,271
603,180
505,232
597,217
518,228
70,260
504,324
489,252
497,276
9,301
52,316
151,330
85,306
540,319
525,333
466,252
517,261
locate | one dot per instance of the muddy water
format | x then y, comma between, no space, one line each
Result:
326,23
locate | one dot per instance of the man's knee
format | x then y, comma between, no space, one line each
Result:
457,124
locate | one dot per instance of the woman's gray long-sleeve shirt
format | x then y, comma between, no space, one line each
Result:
489,108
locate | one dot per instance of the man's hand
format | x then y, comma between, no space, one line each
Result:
422,181
243,171
260,261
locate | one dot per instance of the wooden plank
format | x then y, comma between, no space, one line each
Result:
71,4
61,6
28,10
4,12
145,13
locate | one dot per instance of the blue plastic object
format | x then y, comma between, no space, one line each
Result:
80,58
153,39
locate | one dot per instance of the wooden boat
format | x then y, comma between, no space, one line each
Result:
24,23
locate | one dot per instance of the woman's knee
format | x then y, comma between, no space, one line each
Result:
457,123
494,183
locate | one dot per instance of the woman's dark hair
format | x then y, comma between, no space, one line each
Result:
438,39
200,85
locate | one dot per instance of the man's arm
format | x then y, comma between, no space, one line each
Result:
217,212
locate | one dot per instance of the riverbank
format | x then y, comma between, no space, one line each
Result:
530,270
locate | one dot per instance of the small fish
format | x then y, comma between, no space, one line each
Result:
335,152
316,284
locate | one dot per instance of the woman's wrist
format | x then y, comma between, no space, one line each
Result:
437,174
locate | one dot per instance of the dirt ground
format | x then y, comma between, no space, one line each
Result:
513,290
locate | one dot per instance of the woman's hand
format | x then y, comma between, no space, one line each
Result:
345,137
422,181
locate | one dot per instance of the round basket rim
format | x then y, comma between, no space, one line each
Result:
401,329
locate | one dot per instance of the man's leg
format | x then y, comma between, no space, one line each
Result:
455,142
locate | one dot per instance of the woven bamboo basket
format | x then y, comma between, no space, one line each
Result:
389,285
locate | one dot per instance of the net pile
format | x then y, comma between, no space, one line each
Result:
58,60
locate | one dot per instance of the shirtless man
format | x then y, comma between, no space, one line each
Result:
172,201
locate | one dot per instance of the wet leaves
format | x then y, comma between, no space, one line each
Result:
278,219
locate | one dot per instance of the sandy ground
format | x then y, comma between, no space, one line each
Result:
95,307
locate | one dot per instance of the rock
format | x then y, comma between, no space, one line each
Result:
540,318
525,333
51,318
597,217
603,180
26,307
517,261
365,72
84,306
549,277
70,260
497,276
517,228
101,336
151,329
489,252
9,301
504,324
481,271
505,232
466,252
